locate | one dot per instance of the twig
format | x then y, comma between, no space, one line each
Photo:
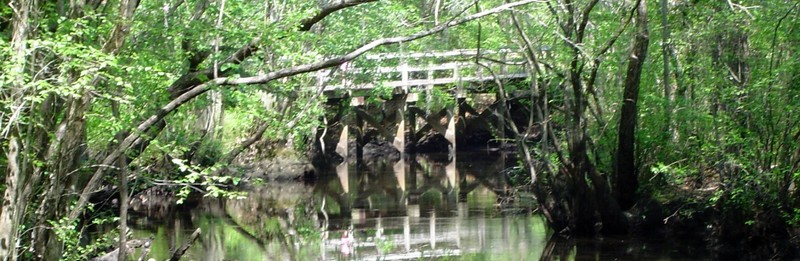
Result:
673,214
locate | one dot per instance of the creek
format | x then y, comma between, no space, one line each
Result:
423,208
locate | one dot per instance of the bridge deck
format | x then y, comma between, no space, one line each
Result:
409,70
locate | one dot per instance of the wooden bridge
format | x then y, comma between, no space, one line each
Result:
415,70
407,76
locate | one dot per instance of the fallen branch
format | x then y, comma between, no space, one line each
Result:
180,251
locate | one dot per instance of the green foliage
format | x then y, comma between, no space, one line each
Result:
305,225
733,118
70,235
436,99
517,176
380,94
204,181
675,173
431,197
382,244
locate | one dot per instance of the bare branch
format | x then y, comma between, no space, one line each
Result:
329,9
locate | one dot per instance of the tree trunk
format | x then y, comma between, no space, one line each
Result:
123,209
9,218
63,155
625,165
669,92
13,206
61,160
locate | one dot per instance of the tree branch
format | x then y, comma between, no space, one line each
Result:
178,253
336,61
585,20
329,9
193,92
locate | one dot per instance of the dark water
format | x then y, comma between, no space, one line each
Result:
424,208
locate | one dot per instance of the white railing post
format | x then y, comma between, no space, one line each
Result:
459,83
430,75
320,79
504,66
404,75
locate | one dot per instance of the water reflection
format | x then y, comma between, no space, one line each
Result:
261,227
425,207
419,186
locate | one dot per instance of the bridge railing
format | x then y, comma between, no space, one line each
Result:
424,69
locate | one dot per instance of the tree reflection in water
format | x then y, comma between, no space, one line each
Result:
418,208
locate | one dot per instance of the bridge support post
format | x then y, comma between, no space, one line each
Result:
343,173
450,133
501,129
501,123
432,230
358,104
342,146
411,182
399,141
411,121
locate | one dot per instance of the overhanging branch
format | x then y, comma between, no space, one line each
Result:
336,61
197,90
329,9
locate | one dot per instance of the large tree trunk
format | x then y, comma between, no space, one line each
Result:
10,217
62,159
625,166
625,163
63,156
13,205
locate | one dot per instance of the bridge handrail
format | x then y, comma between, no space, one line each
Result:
408,71
451,53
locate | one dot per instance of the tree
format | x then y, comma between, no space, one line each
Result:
626,170
576,198
80,71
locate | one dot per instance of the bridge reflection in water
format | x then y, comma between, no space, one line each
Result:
415,210
426,206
